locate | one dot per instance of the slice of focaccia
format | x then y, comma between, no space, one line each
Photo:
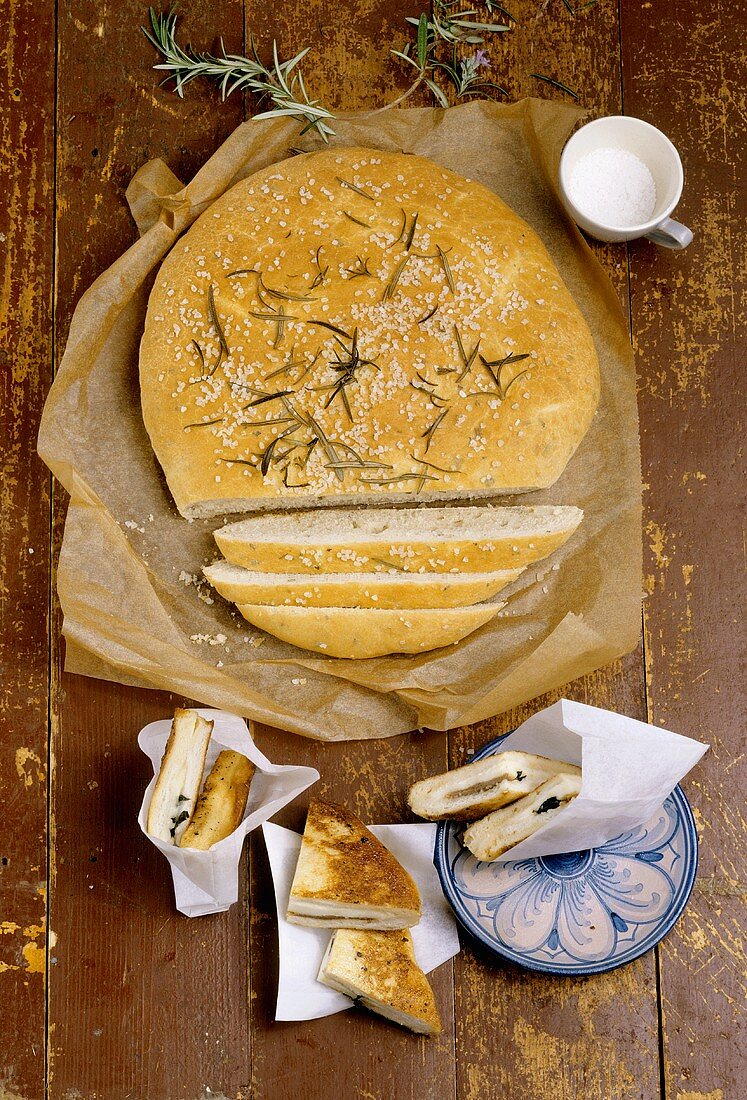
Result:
379,971
465,539
394,590
472,791
221,805
346,878
360,632
493,835
178,783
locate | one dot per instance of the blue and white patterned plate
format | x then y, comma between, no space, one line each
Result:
582,912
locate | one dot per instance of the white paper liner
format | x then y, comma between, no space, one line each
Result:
435,938
207,882
628,768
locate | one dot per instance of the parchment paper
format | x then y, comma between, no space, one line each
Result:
131,610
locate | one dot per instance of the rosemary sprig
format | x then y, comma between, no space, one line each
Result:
354,187
555,84
442,26
281,82
346,368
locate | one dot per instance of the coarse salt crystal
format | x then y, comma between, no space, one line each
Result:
613,186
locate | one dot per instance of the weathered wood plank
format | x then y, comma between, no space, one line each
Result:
143,1001
27,256
689,322
371,1058
519,1034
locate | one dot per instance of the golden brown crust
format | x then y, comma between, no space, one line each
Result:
222,802
380,968
342,861
387,383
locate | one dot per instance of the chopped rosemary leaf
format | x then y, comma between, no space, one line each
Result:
284,295
390,565
446,267
213,314
242,271
402,228
427,317
431,429
357,221
321,273
433,466
392,284
360,268
351,465
267,397
354,187
411,232
332,328
395,478
467,360
204,423
555,84
515,378
281,327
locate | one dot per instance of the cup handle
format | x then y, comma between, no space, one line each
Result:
671,234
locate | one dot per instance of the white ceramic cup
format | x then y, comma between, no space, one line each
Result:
656,151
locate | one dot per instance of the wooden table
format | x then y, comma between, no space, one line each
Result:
106,991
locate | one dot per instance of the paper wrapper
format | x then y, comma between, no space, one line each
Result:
208,882
628,768
435,938
131,612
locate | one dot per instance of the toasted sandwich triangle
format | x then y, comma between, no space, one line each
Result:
379,970
346,878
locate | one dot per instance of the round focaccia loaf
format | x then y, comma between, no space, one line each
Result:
356,324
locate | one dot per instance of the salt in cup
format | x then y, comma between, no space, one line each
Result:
620,179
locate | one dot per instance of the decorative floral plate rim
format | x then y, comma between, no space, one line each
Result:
663,852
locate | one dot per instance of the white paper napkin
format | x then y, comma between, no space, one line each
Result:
208,882
627,770
435,938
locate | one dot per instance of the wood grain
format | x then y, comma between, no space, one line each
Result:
143,1002
27,257
689,325
548,1035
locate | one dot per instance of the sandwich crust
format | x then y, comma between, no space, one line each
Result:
353,324
222,802
341,863
380,971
